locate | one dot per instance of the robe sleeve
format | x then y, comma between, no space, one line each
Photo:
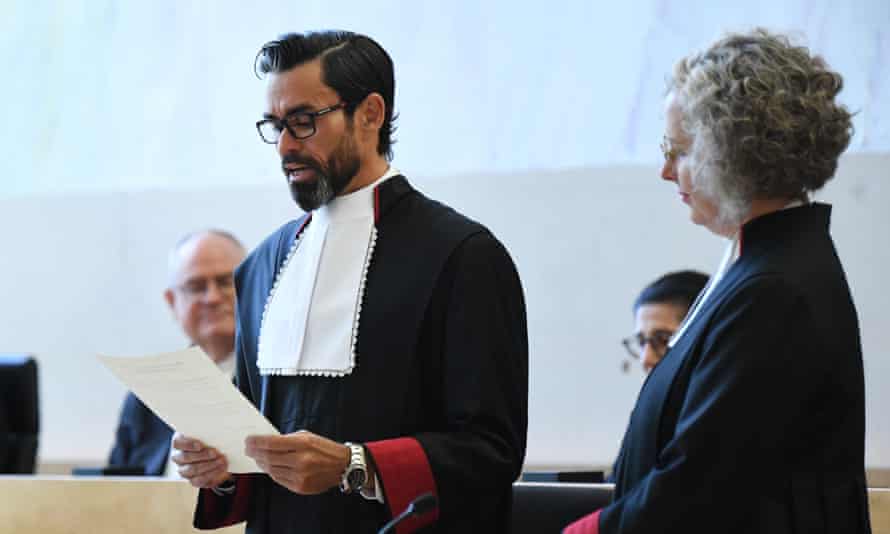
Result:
142,439
217,511
127,426
404,472
744,394
479,341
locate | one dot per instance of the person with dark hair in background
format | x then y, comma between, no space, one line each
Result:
658,312
754,421
382,333
201,296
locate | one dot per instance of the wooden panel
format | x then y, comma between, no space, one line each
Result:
878,477
68,505
879,505
143,505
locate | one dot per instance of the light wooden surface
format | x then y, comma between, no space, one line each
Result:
878,477
143,505
879,506
63,505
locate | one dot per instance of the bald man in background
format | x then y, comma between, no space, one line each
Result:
201,296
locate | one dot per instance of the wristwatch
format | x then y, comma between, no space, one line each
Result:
356,475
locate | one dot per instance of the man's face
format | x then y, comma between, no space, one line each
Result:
319,167
656,322
202,293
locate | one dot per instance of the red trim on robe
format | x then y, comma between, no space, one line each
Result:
405,474
589,524
305,222
213,514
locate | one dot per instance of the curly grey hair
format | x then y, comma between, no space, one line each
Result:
763,119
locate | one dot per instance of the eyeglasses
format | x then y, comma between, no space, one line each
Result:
198,287
300,124
669,150
636,343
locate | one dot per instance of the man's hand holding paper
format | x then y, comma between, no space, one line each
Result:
190,394
202,466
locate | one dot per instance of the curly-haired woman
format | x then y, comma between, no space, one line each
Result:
754,421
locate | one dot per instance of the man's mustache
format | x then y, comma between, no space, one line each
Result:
289,159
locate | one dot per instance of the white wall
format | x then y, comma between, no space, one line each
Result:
83,274
115,95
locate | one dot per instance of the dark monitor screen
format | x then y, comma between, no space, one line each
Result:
19,413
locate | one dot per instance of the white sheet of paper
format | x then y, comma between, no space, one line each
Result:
191,395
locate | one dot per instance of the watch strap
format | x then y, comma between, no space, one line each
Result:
357,462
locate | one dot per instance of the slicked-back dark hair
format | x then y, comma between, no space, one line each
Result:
352,64
679,288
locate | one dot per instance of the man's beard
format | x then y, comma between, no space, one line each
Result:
331,177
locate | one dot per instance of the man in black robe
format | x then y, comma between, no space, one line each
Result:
382,333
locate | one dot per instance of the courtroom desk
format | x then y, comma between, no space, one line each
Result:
879,507
98,505
142,505
878,477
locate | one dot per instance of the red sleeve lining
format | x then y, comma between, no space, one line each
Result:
405,473
589,524
215,511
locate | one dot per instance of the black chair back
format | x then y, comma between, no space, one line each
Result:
19,414
545,508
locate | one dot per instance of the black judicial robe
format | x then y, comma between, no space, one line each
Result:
439,391
142,438
755,421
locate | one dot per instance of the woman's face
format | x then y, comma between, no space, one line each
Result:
677,168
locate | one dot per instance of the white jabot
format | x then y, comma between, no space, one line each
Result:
310,322
730,255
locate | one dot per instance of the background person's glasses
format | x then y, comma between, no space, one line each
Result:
636,344
300,124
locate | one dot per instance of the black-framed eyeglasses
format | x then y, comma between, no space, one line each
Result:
300,124
636,343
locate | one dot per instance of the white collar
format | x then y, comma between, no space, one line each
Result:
310,322
730,255
357,204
